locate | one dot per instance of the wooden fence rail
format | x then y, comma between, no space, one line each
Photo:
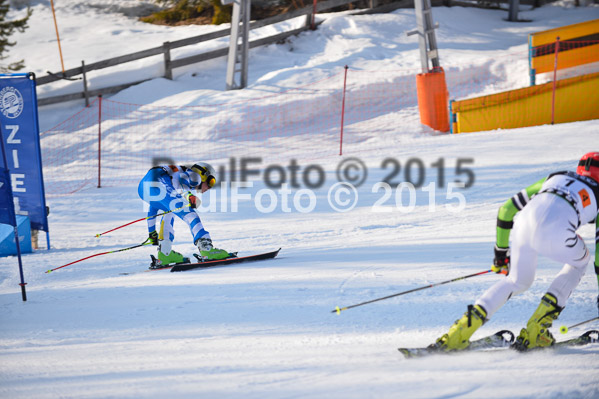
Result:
170,64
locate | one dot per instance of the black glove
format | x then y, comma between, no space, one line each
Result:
153,238
501,262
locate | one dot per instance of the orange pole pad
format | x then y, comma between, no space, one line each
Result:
433,100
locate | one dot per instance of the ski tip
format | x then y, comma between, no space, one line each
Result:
405,352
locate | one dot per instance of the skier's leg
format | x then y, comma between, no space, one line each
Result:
166,254
520,278
151,191
537,332
152,211
575,255
167,233
458,336
523,265
195,224
201,237
556,239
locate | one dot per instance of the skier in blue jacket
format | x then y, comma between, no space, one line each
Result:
169,187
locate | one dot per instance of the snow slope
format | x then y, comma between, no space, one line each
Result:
266,330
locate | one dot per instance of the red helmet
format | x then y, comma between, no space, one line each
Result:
589,165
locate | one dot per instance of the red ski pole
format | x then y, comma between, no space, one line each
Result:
146,242
139,220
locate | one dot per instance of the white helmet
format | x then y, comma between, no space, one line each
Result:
206,172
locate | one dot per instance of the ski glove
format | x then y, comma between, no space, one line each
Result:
153,238
501,262
194,201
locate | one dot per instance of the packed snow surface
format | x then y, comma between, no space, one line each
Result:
106,328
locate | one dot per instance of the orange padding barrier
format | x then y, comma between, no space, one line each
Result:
582,48
433,99
576,99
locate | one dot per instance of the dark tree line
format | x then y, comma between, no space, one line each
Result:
7,28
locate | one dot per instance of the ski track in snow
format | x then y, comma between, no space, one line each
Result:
265,330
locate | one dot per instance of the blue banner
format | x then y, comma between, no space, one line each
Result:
7,211
20,136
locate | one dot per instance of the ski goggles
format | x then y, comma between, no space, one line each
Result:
209,179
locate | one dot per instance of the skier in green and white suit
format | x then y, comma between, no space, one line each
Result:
549,213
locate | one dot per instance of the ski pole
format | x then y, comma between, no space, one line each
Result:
139,220
564,329
338,309
146,242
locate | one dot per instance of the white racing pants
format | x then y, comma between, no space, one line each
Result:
546,226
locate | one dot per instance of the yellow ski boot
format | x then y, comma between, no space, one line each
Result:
460,332
536,334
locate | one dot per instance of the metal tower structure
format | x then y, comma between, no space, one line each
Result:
237,63
426,35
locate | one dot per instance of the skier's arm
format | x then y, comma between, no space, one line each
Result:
182,183
505,216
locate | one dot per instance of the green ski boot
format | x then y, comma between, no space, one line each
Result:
208,252
173,257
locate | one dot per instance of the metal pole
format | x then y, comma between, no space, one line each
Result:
233,45
421,29
513,10
85,92
99,140
432,53
168,71
237,60
313,16
245,45
338,310
343,111
23,283
16,228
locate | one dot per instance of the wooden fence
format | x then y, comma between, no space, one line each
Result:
170,64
